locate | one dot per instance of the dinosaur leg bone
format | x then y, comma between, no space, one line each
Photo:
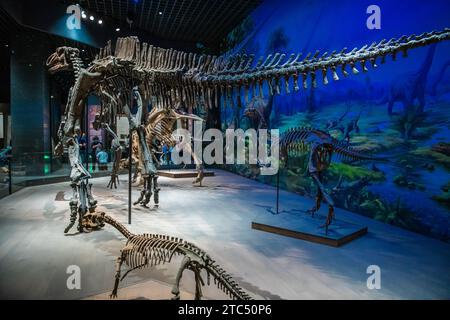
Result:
73,207
148,168
319,197
82,209
146,193
176,287
119,263
91,201
156,190
198,283
198,165
117,151
317,178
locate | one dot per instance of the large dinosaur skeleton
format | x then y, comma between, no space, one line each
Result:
321,147
166,76
148,250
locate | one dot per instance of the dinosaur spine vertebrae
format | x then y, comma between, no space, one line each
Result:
299,140
192,75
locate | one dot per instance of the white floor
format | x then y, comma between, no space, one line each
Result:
34,252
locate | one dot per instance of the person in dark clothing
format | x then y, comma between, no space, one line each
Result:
94,149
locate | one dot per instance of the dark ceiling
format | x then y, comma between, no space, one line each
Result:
204,21
9,28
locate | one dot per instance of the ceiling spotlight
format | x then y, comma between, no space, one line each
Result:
6,45
100,21
160,13
91,18
117,29
83,15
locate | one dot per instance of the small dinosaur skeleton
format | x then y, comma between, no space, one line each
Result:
321,146
147,250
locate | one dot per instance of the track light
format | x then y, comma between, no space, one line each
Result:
83,15
91,18
100,21
160,13
117,29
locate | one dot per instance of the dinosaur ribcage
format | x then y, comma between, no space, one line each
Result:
293,142
150,250
161,131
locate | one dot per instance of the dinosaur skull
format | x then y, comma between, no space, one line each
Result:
93,220
61,59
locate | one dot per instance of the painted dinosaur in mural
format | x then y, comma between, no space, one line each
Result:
148,250
409,88
168,75
440,76
321,147
345,126
258,112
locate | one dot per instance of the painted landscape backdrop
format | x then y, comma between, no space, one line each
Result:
412,190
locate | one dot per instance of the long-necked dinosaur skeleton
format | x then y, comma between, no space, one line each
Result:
148,250
168,76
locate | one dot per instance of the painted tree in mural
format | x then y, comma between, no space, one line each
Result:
278,42
259,110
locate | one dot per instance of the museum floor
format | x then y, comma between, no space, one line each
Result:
34,252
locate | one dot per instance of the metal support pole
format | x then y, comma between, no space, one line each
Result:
278,190
86,132
130,144
10,174
130,147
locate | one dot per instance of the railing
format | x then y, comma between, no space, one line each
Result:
38,168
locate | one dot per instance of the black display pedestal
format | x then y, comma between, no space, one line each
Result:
303,226
183,173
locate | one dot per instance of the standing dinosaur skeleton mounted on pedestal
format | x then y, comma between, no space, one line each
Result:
321,146
167,76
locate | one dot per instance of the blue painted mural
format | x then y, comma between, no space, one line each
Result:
400,110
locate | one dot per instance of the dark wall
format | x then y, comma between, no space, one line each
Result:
30,101
4,87
4,72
